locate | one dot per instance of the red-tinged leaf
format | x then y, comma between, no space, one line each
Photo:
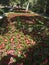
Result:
5,40
2,46
10,52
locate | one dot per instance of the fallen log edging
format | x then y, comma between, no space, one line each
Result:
11,16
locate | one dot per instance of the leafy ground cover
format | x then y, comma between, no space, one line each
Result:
25,43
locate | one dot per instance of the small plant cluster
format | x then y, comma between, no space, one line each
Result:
14,44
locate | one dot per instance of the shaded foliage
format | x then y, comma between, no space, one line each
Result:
4,2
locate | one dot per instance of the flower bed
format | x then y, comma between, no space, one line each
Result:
25,44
